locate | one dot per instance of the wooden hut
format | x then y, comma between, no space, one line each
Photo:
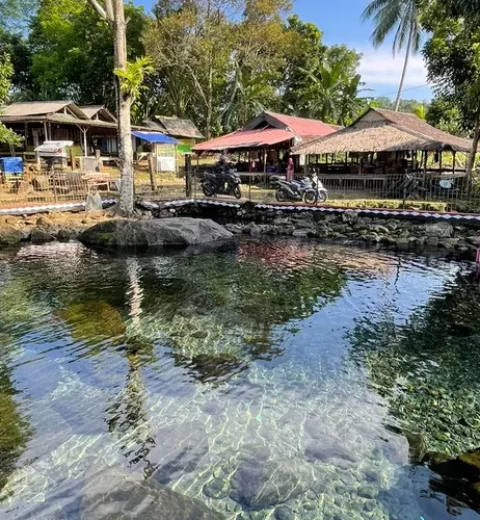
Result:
381,144
262,144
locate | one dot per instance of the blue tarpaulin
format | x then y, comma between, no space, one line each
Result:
11,165
155,137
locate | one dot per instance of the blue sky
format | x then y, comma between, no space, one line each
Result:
340,21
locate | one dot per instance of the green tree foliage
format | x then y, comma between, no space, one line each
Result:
191,45
18,48
427,365
73,52
444,113
401,17
217,62
260,48
453,60
6,72
15,14
320,82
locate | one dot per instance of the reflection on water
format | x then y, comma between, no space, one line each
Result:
280,380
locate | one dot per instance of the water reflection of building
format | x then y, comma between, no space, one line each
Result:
290,254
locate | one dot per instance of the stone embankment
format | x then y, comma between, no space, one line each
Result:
396,232
47,227
400,232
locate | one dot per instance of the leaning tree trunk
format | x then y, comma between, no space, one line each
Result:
405,67
473,154
124,108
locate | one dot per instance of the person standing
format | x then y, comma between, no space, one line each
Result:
290,169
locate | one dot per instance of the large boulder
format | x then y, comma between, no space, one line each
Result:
111,495
154,233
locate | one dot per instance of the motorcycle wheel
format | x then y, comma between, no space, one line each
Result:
322,196
281,196
237,192
310,197
208,189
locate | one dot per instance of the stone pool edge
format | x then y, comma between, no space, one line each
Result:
453,233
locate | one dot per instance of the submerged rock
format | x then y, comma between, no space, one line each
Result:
40,236
111,495
259,484
283,513
466,466
179,449
10,236
328,449
154,233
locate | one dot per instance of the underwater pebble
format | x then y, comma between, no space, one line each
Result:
283,513
367,492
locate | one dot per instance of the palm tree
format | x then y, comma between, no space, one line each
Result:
403,17
244,98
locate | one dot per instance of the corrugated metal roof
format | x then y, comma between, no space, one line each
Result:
305,128
39,108
246,139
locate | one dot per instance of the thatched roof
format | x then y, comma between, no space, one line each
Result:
381,130
176,127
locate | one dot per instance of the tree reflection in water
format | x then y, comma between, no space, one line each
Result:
427,369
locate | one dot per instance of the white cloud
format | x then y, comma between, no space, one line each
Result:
379,67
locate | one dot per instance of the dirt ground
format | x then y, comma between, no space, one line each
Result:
53,221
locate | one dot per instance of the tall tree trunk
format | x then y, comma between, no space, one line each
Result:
405,66
473,154
124,109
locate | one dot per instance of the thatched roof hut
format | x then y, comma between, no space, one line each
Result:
380,130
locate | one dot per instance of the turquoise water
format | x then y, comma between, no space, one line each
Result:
277,380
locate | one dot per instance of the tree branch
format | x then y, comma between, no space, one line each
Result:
109,10
100,10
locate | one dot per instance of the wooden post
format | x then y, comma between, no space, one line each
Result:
440,161
72,158
454,161
85,143
425,159
188,176
265,165
151,169
194,178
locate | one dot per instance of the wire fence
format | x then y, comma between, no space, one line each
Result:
429,190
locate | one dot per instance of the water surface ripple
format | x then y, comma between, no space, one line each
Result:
280,380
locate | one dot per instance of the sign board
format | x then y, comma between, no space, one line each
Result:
166,164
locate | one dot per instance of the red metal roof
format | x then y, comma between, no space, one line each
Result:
246,139
305,128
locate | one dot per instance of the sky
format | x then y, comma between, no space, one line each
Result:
340,21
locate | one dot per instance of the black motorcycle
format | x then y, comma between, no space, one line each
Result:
304,190
222,183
